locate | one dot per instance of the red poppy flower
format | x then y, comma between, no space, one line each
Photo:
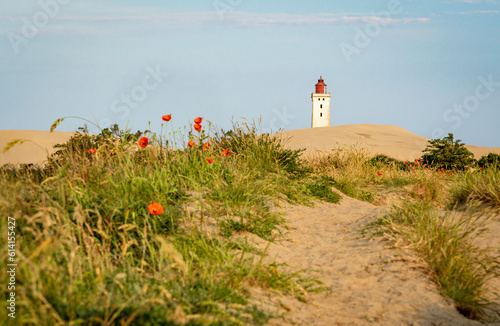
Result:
191,143
440,172
480,168
155,209
225,152
206,145
143,142
197,127
92,151
442,169
404,162
379,173
166,117
198,120
210,160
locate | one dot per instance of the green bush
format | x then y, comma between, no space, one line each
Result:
448,153
381,160
492,160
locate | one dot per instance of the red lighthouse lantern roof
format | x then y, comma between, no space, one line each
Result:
320,86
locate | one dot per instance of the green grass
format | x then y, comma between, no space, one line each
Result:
90,253
356,174
479,186
446,243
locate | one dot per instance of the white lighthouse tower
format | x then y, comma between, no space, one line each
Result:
320,105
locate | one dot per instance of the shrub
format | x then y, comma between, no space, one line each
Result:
492,160
381,160
448,153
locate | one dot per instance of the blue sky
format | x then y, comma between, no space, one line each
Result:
431,67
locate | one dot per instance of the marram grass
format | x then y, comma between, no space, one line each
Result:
478,186
446,242
90,252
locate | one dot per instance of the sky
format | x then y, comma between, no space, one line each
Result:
431,67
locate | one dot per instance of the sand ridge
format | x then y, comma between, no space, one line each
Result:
384,139
377,139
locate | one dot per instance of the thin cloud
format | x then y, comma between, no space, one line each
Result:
477,12
474,2
477,2
237,18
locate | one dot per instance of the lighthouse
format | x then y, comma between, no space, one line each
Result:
320,105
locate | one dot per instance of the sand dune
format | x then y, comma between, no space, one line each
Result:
36,148
378,139
385,139
367,281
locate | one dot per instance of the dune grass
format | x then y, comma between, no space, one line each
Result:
446,242
90,252
478,186
365,177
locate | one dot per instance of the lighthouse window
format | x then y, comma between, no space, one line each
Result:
321,106
323,99
321,114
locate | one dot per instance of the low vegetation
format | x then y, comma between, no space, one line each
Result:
139,229
124,228
445,176
477,187
448,153
446,242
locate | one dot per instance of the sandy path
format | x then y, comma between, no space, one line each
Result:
368,282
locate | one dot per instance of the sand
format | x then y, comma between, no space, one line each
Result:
368,282
378,139
36,148
384,139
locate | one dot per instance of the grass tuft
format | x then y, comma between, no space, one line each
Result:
479,186
446,243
